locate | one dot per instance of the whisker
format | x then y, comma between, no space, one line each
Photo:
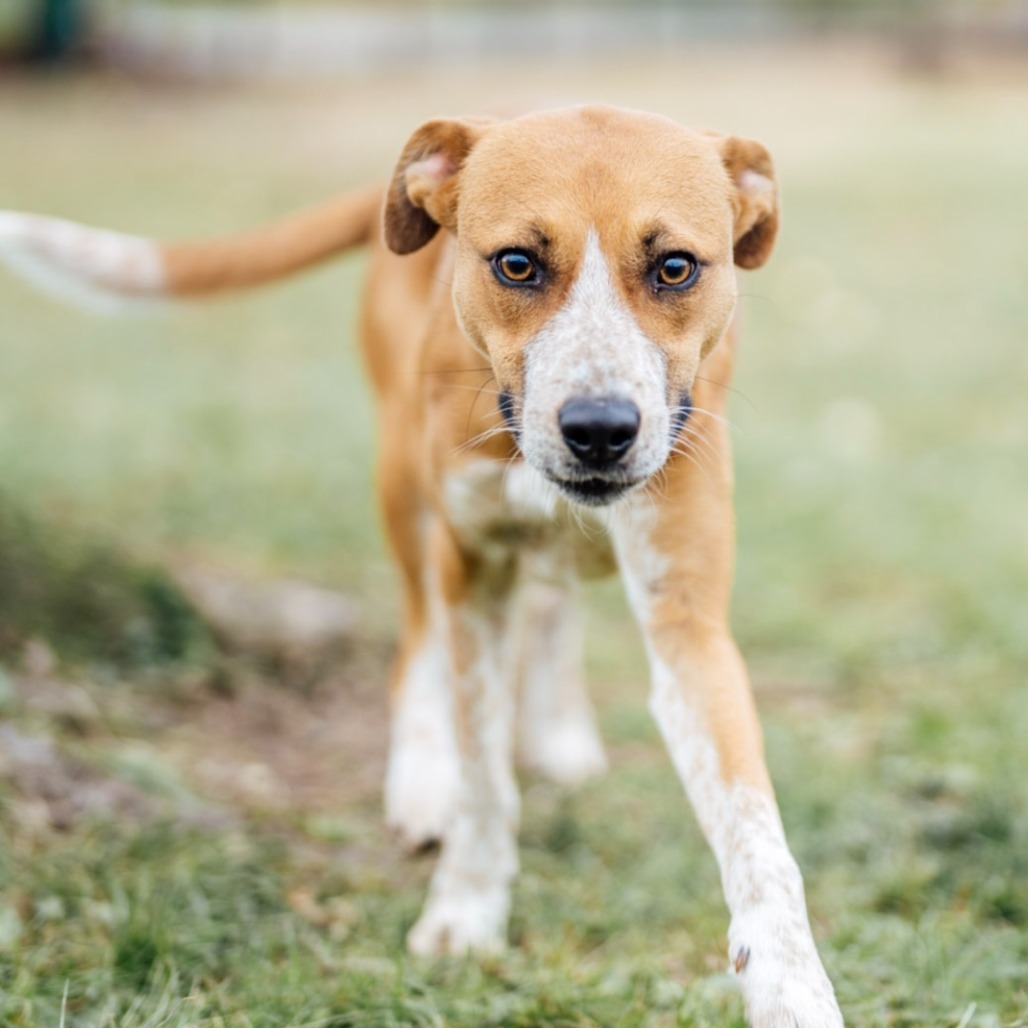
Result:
474,389
698,438
660,482
450,371
471,409
651,500
483,436
508,463
699,442
698,456
709,413
580,522
728,388
698,433
774,301
692,458
468,447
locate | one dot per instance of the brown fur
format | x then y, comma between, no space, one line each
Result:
272,252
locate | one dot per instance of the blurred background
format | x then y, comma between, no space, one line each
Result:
196,607
244,39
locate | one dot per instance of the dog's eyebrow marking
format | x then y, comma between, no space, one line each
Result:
542,239
532,236
651,237
661,240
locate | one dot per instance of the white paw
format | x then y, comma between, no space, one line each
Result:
567,752
421,789
785,986
795,1005
473,922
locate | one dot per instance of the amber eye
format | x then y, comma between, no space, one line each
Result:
677,271
515,267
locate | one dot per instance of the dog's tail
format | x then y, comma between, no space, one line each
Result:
91,264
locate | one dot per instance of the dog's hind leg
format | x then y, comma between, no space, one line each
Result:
557,734
469,898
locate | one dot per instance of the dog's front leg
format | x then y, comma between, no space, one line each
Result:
677,566
469,897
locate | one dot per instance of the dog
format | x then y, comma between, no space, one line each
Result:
548,324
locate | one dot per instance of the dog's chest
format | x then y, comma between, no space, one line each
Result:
498,507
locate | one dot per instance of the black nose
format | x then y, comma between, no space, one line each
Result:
599,431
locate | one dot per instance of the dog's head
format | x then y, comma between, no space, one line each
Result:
594,266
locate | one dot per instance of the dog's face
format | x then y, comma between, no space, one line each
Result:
595,255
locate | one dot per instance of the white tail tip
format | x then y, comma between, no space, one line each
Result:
88,266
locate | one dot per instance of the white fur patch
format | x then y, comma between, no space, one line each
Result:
593,348
528,494
755,184
487,490
495,507
425,176
89,266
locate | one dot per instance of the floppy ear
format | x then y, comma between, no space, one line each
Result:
755,200
423,193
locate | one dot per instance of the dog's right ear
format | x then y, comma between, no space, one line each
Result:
755,201
423,193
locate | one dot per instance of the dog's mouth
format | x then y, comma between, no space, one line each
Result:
594,491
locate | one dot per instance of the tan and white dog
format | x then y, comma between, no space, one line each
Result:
551,370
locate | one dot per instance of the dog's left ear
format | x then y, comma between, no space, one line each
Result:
423,193
755,199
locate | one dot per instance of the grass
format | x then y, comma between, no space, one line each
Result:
89,601
881,594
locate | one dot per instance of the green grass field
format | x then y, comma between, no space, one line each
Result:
225,877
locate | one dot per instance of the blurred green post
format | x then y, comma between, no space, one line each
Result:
43,31
60,28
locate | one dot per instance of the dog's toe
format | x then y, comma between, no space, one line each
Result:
419,828
797,1007
785,993
457,926
420,796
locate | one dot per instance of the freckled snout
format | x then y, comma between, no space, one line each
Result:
600,431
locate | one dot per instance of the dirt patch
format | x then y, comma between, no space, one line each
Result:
276,752
54,791
72,751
